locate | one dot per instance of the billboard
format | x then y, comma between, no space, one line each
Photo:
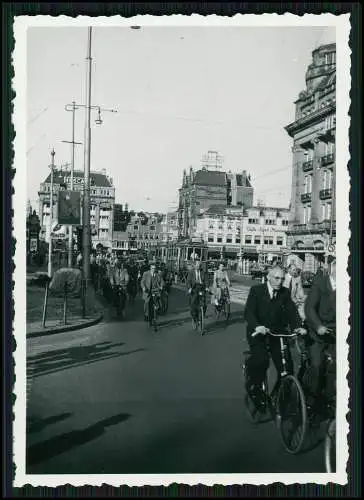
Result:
69,207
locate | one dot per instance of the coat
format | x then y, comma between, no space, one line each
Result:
191,279
261,310
320,306
295,286
147,285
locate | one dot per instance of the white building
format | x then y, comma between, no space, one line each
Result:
169,226
102,200
260,233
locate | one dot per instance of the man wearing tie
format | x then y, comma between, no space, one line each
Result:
151,282
196,281
269,307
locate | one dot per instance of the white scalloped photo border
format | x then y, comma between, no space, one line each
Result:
19,117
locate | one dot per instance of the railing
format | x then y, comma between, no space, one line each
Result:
307,165
325,194
327,159
306,197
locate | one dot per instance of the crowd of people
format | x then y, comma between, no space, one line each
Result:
281,303
278,303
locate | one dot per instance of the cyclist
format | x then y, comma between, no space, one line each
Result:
119,281
220,282
197,280
293,282
151,282
320,310
269,307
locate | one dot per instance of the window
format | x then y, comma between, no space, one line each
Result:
221,226
279,240
330,121
306,214
330,58
270,222
284,222
268,240
257,240
211,225
252,221
136,228
219,238
326,209
229,238
248,240
237,239
210,238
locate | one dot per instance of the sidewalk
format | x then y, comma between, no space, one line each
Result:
35,329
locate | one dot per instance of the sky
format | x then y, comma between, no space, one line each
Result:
178,92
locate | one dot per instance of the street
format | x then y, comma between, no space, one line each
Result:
119,398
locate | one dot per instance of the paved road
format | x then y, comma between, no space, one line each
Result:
118,398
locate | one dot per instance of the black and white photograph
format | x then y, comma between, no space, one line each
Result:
181,210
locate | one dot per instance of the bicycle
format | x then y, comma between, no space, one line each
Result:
224,305
201,310
120,299
285,402
164,301
154,307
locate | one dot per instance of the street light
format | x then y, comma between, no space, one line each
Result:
51,217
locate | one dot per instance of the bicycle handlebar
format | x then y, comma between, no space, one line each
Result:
283,335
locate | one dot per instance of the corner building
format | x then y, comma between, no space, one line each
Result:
312,227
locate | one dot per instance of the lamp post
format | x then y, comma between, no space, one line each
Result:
86,239
71,107
51,217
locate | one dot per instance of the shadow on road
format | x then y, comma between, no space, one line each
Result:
220,325
34,426
52,447
64,359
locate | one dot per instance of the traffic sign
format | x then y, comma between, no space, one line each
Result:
69,207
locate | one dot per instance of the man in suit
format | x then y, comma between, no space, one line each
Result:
151,282
269,307
293,282
197,280
320,310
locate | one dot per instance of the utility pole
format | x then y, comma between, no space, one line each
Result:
71,107
51,217
87,161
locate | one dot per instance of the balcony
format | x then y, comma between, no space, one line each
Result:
307,165
327,133
327,159
325,194
306,197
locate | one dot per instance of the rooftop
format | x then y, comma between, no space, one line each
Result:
209,178
98,179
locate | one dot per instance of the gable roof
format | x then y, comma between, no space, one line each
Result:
99,180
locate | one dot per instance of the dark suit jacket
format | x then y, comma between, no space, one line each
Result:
191,279
146,282
261,310
320,306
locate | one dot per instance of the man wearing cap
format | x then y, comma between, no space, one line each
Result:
151,281
320,311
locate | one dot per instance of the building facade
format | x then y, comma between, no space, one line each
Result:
312,229
102,200
258,233
170,227
204,188
144,231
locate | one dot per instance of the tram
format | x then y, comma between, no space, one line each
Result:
179,255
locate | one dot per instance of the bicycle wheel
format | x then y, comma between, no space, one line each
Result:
291,414
330,447
201,320
226,311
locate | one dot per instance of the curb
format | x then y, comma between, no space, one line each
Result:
65,328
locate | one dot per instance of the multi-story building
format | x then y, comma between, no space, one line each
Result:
144,231
313,181
203,188
258,233
102,199
170,227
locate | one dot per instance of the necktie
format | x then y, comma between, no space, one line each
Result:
275,293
